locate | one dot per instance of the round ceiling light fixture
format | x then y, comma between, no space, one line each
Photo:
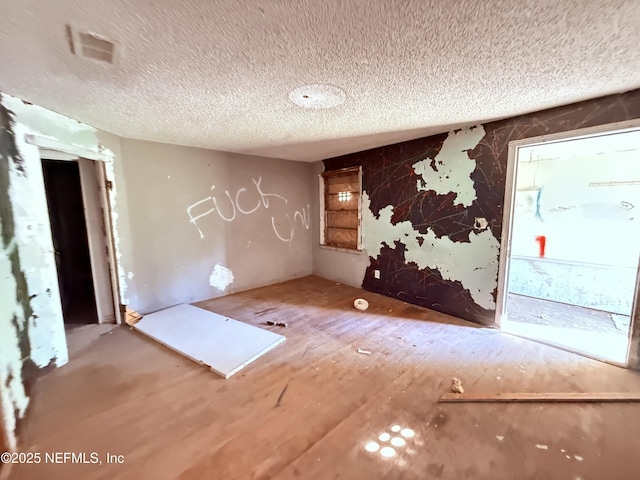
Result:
317,96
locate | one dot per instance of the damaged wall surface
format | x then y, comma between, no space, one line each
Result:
31,325
206,223
432,209
188,224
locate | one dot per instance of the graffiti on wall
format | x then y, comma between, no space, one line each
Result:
229,206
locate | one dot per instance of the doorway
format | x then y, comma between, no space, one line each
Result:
70,241
570,271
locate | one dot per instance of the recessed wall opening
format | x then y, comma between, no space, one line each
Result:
341,215
70,241
76,199
573,249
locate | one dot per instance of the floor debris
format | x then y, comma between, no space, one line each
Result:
365,352
456,386
361,304
277,324
131,317
282,394
500,437
557,397
542,447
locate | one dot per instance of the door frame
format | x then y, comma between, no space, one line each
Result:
633,344
57,150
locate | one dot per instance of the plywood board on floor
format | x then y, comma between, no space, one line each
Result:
223,344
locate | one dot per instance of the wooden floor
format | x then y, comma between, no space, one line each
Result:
170,418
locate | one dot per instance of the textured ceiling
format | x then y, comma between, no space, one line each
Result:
217,74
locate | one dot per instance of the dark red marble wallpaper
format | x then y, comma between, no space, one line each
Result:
389,179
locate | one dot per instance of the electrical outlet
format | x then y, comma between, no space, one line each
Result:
376,274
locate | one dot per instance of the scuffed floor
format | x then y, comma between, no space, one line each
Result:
309,409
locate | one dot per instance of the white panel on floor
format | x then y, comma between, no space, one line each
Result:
221,343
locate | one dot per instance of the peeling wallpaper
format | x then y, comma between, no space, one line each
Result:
32,334
450,170
432,208
467,262
14,299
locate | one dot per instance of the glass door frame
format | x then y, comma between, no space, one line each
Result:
633,343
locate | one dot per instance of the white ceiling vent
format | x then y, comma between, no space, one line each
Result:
91,45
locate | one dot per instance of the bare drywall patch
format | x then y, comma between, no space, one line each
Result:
480,223
221,277
473,263
450,170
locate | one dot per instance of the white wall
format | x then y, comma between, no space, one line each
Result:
206,223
